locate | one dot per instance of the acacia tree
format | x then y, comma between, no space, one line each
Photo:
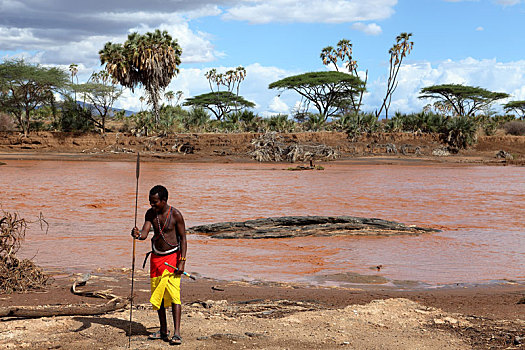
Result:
24,87
343,53
220,103
150,60
516,106
400,50
102,93
325,90
465,100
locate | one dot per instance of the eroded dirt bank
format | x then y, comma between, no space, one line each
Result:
237,146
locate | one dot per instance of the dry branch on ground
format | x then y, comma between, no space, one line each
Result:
270,148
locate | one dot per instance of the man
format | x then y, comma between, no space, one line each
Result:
168,245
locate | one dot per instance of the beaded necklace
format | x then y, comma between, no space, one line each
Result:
161,230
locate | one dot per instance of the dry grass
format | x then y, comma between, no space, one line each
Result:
17,275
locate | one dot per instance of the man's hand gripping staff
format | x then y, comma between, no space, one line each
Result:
184,272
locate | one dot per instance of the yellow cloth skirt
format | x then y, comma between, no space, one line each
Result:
165,287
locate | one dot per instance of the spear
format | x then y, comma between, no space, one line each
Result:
133,261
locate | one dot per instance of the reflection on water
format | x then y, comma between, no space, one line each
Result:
90,207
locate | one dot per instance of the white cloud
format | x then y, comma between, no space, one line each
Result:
501,2
508,2
490,74
480,29
196,46
370,29
310,11
63,31
278,106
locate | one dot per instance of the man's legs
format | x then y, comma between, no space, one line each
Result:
176,311
162,319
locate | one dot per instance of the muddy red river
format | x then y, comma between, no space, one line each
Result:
90,210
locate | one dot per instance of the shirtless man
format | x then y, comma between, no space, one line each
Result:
167,245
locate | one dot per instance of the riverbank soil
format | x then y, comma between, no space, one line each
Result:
250,315
237,147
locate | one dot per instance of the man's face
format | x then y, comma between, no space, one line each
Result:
156,203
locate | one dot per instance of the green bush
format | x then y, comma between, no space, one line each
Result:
425,122
460,132
356,124
197,119
279,123
171,119
490,124
74,118
250,121
141,123
314,122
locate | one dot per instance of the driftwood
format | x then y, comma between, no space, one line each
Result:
114,303
270,148
301,226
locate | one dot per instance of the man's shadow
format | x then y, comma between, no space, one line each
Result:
136,328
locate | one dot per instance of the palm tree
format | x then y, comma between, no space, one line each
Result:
73,68
170,95
400,50
179,95
150,60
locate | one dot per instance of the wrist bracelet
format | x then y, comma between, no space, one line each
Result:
182,259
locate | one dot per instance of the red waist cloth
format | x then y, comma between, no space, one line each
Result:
157,265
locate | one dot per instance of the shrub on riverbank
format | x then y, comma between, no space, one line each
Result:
16,275
516,128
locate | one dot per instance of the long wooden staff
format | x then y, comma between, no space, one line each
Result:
133,261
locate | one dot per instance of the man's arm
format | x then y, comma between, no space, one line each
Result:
181,231
142,234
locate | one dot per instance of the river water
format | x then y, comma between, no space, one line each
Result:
90,209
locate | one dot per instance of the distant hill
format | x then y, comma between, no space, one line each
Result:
127,113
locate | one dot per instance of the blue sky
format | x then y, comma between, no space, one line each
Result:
471,42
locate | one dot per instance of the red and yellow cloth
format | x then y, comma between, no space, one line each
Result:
164,284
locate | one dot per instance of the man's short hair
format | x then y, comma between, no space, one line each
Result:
161,191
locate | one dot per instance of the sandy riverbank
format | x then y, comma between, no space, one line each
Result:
242,315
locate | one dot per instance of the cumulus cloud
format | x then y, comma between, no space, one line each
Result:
487,73
480,29
277,106
310,11
74,31
370,29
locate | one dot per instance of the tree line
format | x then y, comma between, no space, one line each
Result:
35,97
